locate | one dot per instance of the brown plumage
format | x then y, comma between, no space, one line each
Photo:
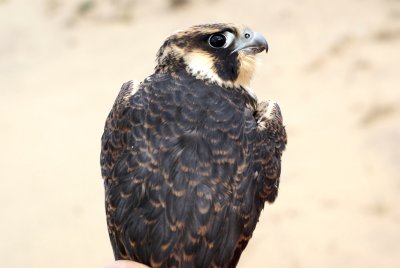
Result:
189,156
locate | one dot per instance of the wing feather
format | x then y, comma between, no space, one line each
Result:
187,170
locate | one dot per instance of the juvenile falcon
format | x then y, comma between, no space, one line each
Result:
189,156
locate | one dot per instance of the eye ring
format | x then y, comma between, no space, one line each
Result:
217,40
225,39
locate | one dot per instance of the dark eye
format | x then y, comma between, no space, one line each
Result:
217,40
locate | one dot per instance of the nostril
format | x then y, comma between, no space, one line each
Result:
247,35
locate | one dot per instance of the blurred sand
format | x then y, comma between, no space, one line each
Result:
333,66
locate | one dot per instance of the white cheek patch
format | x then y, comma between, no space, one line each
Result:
201,65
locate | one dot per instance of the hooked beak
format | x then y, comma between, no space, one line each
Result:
251,43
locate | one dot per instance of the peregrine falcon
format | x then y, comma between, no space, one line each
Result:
189,155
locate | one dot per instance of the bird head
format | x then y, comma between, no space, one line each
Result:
224,54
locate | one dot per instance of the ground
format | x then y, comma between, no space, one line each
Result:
333,66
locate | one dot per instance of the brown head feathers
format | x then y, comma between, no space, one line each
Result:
224,54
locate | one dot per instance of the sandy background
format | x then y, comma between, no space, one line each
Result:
334,67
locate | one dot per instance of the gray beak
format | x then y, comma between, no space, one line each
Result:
251,42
